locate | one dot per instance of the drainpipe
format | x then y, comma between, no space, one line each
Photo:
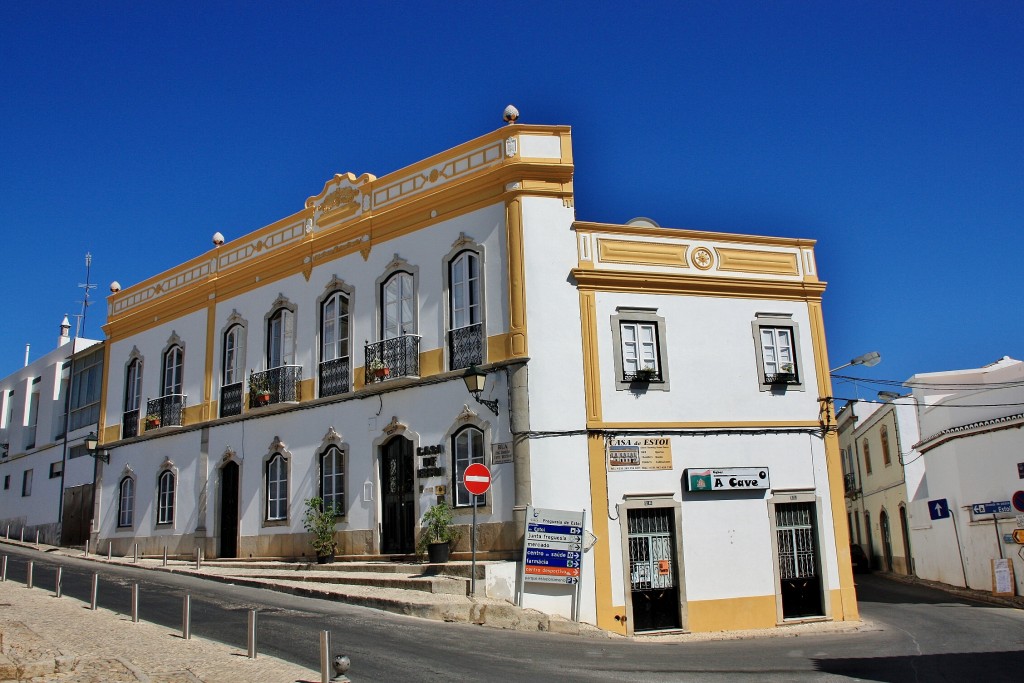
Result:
519,426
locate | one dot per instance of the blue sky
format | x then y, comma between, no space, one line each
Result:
891,132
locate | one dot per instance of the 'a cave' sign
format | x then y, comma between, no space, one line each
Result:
727,479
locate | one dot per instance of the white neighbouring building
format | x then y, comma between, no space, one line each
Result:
973,451
46,477
669,384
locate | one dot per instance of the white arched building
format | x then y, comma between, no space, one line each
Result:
324,354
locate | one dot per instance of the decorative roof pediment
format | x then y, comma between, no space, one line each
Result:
341,198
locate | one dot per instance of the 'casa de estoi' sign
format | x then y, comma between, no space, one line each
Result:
727,479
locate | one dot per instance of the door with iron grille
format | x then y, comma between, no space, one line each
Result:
799,567
653,578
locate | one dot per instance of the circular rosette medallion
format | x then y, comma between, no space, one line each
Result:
702,258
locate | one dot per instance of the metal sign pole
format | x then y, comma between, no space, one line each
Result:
579,579
999,541
472,580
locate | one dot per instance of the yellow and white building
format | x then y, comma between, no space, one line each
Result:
324,354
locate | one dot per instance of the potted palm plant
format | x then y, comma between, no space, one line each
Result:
438,533
319,521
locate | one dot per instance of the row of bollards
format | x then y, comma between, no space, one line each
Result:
338,665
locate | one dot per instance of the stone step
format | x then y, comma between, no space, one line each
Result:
448,585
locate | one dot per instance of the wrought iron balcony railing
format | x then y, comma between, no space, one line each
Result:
276,385
130,424
335,376
643,375
849,483
231,399
466,346
390,358
166,411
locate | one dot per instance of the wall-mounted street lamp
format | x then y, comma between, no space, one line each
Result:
889,395
869,359
91,445
475,378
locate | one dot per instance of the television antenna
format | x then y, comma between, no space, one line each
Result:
87,286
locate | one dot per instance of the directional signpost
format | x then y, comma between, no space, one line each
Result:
992,508
553,547
476,479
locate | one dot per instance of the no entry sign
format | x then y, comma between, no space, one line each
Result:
477,479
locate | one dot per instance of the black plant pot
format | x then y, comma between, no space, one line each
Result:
325,559
437,553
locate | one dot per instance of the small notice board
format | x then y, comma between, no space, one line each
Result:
1002,578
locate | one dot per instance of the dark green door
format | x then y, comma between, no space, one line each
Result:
398,514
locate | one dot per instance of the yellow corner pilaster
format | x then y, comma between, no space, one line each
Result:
845,607
516,278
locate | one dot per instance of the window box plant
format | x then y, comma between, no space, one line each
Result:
319,521
785,375
645,374
152,421
438,533
259,388
378,369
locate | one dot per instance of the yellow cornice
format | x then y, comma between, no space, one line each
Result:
698,285
235,265
728,424
693,235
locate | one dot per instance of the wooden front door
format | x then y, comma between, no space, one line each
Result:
398,514
77,515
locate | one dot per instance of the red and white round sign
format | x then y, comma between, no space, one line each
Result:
477,479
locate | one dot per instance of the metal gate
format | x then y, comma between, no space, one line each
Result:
652,570
798,559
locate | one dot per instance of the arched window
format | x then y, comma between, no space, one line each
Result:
132,398
398,314
465,312
234,356
133,385
332,479
165,498
468,446
281,338
277,488
334,345
886,458
173,363
126,502
867,457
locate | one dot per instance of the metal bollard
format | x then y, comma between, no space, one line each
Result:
22,534
135,603
135,553
252,634
37,537
186,618
95,590
3,569
28,578
108,551
60,575
199,559
325,657
87,547
165,556
8,532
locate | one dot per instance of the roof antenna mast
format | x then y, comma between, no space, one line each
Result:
87,286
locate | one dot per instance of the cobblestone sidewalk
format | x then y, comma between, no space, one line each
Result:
45,638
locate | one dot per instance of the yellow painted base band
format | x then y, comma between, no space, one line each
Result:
732,614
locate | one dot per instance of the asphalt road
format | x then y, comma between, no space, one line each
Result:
917,634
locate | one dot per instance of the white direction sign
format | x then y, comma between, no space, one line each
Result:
553,547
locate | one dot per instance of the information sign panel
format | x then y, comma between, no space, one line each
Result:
727,479
553,548
993,508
